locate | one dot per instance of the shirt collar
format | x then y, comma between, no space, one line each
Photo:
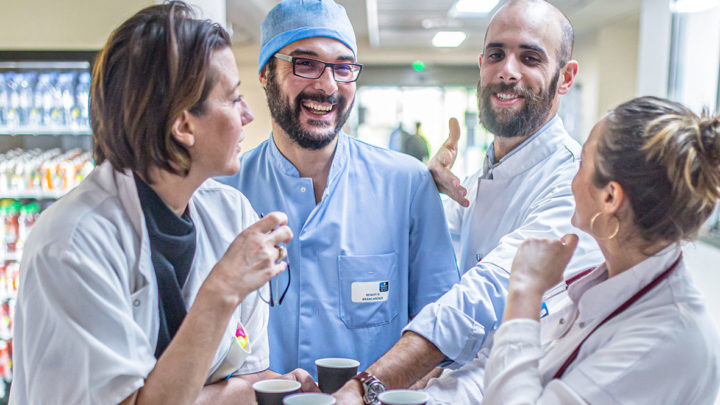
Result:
536,148
278,160
597,296
340,158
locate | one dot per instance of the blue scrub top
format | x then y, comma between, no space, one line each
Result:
371,254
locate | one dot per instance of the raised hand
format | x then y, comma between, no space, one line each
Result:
441,163
538,266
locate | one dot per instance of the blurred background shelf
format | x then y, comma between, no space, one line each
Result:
35,195
44,131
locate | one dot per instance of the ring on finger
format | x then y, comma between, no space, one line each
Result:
281,252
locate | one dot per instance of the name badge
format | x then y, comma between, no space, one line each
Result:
370,291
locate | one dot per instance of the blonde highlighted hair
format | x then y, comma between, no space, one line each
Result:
667,159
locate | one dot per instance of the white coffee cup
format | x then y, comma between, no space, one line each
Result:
403,397
309,398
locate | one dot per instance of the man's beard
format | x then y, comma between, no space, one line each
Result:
287,116
507,124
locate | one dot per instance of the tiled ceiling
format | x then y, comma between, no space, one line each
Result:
411,24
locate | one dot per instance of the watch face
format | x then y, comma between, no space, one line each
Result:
374,390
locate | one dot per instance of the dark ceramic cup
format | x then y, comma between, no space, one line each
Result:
334,372
272,392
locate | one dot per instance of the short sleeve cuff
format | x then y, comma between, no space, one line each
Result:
250,367
116,396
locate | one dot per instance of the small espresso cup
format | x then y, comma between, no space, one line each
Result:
334,372
309,398
272,392
403,397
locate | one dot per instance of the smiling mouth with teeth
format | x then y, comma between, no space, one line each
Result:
506,96
317,108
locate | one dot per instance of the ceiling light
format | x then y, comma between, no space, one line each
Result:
430,23
693,6
472,8
448,39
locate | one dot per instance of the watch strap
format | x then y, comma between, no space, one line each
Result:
367,379
364,377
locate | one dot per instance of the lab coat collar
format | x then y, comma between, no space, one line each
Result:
533,150
340,157
596,296
122,184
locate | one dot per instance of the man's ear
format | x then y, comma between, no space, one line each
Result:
183,129
480,60
567,76
263,76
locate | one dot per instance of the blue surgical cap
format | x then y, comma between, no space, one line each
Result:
293,20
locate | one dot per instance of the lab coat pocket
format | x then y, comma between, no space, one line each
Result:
369,289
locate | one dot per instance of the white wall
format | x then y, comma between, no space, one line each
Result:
62,25
654,48
587,80
607,69
617,51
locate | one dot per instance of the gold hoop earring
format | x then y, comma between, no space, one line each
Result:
612,235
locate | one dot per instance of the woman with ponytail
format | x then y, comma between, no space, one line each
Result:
633,330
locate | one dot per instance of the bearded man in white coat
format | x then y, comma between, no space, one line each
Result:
522,191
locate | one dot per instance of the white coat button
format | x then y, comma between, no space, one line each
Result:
302,189
561,321
581,324
136,303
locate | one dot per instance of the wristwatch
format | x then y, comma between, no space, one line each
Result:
371,386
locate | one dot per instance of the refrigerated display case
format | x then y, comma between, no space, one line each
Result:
45,150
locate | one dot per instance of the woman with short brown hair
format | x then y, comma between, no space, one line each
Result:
140,286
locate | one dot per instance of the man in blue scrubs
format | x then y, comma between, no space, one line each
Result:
371,245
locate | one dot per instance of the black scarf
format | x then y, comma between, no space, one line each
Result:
172,247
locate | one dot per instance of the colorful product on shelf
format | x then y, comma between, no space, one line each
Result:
46,101
26,176
9,275
9,213
34,173
37,97
16,220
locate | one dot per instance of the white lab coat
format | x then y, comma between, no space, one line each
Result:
663,349
527,196
87,318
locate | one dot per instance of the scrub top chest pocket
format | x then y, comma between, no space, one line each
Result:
369,289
